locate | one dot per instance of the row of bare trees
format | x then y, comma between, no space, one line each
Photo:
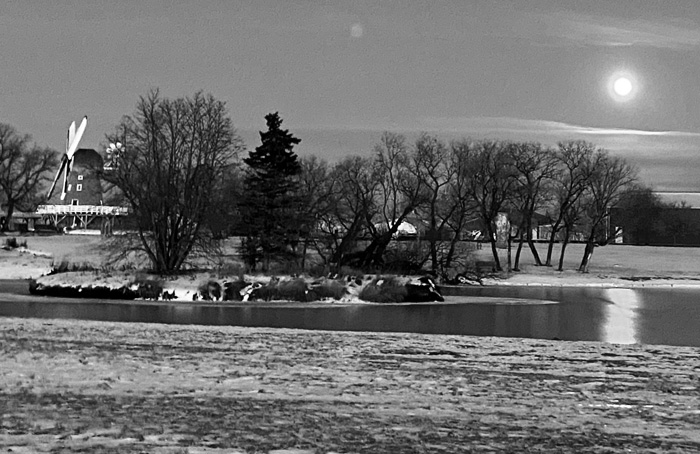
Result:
182,178
449,186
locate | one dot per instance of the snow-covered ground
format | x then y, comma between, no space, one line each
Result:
135,387
612,266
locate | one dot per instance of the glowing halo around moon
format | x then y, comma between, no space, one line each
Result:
623,86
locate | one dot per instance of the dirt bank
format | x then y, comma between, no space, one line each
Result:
118,387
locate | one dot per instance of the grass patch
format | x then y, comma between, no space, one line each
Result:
66,266
230,269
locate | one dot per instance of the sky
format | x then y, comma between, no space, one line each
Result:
341,72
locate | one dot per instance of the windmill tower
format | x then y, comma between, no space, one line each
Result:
77,202
82,184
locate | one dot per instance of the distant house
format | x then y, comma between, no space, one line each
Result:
476,231
405,230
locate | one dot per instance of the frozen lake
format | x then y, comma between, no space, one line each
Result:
668,316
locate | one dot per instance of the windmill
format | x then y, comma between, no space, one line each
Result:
66,166
79,202
114,152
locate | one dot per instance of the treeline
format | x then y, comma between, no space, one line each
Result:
182,174
447,186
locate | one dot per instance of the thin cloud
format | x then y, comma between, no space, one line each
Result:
667,159
513,126
608,31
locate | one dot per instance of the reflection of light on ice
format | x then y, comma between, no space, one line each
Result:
621,316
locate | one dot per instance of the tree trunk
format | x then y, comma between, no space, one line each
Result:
8,215
509,265
561,255
550,247
346,242
304,249
587,254
494,251
457,232
433,253
451,253
531,243
373,254
375,251
564,243
516,266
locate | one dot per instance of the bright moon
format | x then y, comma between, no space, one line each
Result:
623,86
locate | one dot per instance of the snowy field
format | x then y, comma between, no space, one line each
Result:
609,263
83,386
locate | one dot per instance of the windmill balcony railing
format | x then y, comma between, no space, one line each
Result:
99,210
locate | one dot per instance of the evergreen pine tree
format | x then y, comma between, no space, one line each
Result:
271,208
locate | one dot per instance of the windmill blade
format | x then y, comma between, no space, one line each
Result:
58,174
76,139
64,189
71,135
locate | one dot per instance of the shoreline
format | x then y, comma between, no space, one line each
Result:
619,267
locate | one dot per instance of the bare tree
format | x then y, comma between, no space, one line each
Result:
574,170
176,151
610,177
431,165
23,171
353,207
400,193
224,218
316,191
458,195
535,167
490,180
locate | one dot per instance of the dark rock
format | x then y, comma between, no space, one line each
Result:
168,296
232,290
210,291
423,290
463,279
251,292
149,289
